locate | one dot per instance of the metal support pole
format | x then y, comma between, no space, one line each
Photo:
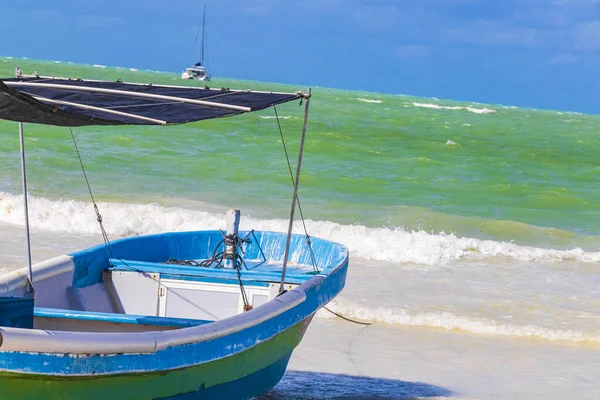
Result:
294,199
24,175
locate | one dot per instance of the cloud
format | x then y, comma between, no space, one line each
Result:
587,36
99,21
377,19
494,33
576,2
561,59
412,51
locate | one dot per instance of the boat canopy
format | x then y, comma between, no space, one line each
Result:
76,102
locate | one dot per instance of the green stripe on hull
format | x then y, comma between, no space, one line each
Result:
155,385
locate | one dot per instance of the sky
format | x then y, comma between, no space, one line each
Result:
532,53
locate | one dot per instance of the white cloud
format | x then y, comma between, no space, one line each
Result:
99,21
494,33
587,36
561,59
412,51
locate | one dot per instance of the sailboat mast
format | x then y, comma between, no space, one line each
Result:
202,42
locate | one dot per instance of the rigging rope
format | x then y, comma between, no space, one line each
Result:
190,60
98,216
308,242
312,254
218,258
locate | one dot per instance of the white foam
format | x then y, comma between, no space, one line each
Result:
369,100
133,69
56,62
379,244
480,110
440,107
99,66
436,106
450,142
273,117
451,322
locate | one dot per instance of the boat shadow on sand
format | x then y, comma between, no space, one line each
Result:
300,385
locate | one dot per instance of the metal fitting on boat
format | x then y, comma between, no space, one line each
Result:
232,238
302,94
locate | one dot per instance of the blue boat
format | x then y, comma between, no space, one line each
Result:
178,315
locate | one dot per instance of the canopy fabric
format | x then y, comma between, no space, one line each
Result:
70,102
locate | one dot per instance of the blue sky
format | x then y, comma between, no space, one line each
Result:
536,53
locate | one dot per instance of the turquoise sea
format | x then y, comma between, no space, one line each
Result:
465,220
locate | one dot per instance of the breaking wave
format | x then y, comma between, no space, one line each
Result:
378,244
369,100
274,117
451,322
468,108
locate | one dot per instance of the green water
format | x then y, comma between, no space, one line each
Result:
514,174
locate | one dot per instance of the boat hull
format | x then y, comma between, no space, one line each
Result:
241,376
236,357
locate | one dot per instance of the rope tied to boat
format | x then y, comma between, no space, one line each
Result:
307,236
287,157
96,210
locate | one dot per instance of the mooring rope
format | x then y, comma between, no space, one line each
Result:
308,242
347,318
98,216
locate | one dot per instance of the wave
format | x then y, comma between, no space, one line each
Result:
394,245
451,322
468,108
99,66
274,117
369,100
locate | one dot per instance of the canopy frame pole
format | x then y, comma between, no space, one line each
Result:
105,110
25,206
42,77
295,197
130,94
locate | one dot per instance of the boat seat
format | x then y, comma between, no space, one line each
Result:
117,318
185,272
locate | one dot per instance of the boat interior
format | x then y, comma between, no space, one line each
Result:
163,282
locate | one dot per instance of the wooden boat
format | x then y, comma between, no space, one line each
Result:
186,315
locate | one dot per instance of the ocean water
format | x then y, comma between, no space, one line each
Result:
473,228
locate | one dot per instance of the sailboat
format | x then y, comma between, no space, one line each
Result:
198,71
209,314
